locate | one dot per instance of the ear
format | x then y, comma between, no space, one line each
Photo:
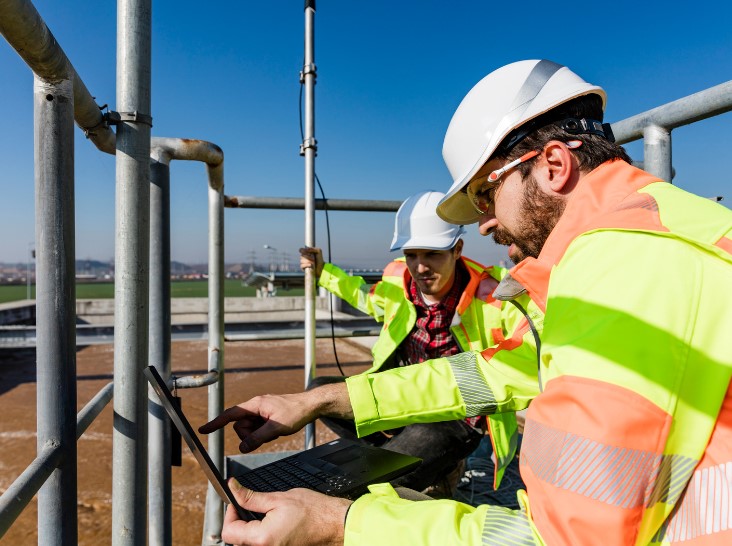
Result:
559,165
457,250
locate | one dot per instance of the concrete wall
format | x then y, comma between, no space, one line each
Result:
195,310
18,312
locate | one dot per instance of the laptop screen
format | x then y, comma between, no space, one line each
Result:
186,431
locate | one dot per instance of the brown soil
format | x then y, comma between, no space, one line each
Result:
251,368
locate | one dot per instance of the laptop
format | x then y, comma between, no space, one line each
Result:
341,468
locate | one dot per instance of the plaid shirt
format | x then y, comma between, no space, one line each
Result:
431,337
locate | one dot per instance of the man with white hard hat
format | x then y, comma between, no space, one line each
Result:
434,302
630,439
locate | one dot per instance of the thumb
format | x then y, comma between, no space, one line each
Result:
250,500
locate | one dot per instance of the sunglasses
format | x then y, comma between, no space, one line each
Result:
483,193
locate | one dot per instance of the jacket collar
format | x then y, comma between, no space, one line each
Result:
612,187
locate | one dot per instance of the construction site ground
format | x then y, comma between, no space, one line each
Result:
253,367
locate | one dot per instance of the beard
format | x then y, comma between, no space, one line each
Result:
538,214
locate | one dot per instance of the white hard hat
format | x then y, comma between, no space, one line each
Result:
418,226
499,103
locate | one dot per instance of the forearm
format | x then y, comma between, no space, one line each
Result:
330,400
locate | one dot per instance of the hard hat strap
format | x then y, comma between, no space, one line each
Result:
587,127
573,126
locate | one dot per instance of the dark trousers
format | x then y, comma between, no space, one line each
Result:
441,446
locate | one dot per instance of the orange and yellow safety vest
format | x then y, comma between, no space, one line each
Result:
630,441
480,321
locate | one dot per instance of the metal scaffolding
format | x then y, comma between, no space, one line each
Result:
141,470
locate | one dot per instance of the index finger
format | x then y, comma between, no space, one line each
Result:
230,415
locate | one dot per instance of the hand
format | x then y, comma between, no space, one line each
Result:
297,517
312,257
266,418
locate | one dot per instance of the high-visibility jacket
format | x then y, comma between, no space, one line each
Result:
630,441
480,321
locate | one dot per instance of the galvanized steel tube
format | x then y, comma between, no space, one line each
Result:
309,148
160,514
702,105
56,304
196,381
27,33
129,471
295,203
214,516
16,497
93,408
657,151
163,150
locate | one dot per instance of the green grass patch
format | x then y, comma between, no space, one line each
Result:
178,289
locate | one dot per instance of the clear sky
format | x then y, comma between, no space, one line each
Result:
390,75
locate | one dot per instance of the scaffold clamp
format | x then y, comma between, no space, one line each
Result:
309,143
308,69
115,118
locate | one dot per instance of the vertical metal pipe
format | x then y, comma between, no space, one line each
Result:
160,515
214,516
56,305
309,148
129,440
657,151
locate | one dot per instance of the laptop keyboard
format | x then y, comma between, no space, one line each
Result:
290,473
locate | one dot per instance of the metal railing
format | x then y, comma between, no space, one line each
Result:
142,257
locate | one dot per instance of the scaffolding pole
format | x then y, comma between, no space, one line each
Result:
308,150
56,305
132,201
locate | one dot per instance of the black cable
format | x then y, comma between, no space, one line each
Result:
327,229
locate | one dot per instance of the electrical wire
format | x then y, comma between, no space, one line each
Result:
327,229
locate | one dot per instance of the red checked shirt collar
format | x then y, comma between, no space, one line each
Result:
431,337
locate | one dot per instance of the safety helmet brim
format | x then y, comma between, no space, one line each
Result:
417,226
445,241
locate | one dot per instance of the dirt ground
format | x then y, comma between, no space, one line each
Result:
251,368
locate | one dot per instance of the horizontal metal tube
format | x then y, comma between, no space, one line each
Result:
166,148
21,491
25,336
194,381
298,334
27,33
93,408
702,105
293,203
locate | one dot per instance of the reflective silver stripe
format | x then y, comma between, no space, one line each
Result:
673,475
477,395
506,527
705,509
622,477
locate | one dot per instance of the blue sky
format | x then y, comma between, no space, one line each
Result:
390,75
